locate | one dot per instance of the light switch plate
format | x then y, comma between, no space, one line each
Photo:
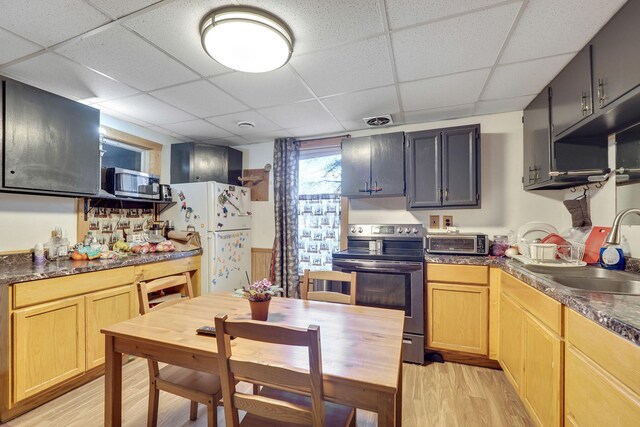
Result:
447,221
434,221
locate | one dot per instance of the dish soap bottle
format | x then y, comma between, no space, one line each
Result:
612,257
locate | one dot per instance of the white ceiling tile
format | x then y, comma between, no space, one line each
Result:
49,22
14,47
148,108
458,44
199,130
503,105
268,136
299,114
435,114
124,56
353,125
113,113
170,133
403,13
276,87
318,129
347,68
175,28
456,89
524,78
57,74
230,141
119,8
367,103
320,24
551,27
229,122
200,98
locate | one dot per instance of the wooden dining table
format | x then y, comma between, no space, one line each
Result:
361,348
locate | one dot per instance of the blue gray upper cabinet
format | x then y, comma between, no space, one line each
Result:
373,166
443,168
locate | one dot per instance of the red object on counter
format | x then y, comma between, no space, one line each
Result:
593,244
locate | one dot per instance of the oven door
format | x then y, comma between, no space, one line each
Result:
389,284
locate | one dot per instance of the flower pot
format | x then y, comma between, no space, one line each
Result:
259,310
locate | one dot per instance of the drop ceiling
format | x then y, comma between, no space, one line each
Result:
418,60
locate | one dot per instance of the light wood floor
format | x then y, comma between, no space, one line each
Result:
438,394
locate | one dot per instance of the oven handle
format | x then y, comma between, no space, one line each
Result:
363,265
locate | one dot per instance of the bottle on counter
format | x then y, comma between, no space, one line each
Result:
612,257
38,254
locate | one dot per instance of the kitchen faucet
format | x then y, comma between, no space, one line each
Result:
613,238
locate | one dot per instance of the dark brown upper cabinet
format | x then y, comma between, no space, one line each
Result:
571,93
537,141
443,168
373,166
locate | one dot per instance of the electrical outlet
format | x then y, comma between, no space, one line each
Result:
447,221
434,221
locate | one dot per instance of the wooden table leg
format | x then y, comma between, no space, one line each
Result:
112,385
386,409
399,399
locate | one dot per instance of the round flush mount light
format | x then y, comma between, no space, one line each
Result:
246,125
246,39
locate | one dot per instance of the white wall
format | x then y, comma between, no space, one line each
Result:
25,219
255,156
505,205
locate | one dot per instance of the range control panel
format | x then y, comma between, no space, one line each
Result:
386,230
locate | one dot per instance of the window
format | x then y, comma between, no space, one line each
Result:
120,155
319,197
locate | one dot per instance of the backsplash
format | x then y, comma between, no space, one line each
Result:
109,225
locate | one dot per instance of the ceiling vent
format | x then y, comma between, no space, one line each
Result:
374,122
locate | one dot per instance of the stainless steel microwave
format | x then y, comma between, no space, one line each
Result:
458,244
129,183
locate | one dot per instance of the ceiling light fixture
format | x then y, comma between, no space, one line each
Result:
246,39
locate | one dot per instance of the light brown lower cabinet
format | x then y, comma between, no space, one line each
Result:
531,349
49,345
50,340
103,309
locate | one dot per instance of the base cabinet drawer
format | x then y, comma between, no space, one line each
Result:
594,398
48,345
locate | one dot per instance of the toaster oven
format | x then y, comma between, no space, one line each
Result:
458,244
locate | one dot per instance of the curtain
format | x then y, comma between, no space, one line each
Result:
286,154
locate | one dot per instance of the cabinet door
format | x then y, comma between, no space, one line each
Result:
387,164
542,382
616,55
209,163
424,169
458,317
571,93
356,166
103,309
460,166
593,397
537,140
49,345
511,343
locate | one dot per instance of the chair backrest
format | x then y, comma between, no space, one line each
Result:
279,377
328,296
179,286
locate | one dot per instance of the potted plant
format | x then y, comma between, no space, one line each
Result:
259,295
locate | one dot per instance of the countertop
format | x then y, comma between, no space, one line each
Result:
19,268
618,313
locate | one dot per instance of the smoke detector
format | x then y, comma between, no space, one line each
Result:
377,121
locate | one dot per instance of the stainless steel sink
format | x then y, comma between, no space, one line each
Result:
610,286
589,272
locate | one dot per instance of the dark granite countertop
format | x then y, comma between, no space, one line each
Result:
618,313
19,268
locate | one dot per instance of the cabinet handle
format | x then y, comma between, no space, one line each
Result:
582,103
376,187
446,194
366,188
601,95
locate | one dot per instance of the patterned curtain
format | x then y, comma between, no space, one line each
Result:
286,154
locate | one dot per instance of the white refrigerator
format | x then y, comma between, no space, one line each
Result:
221,214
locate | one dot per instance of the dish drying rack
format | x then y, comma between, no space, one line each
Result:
566,255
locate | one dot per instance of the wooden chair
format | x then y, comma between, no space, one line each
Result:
325,295
199,387
289,397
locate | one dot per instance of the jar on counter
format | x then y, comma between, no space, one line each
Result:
500,245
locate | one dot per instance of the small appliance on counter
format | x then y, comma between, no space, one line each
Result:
458,244
165,193
129,183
